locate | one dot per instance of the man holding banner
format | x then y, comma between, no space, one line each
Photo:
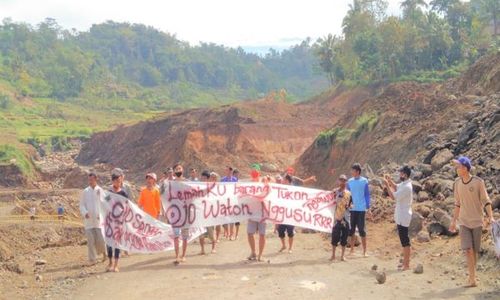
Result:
180,232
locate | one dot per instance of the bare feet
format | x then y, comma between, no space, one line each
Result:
214,251
92,263
282,249
183,259
343,259
252,257
332,258
109,267
116,270
202,253
290,251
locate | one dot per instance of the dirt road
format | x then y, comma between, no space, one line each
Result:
306,273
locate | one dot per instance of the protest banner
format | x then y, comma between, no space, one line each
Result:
127,227
495,233
188,204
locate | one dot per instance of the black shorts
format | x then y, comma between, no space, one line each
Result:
288,228
403,236
358,220
339,233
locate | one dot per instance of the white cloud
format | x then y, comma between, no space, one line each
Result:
228,22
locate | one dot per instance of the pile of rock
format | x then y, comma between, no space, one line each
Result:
476,136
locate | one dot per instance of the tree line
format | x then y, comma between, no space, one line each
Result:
440,35
122,60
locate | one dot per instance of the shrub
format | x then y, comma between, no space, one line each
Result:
365,123
331,136
9,153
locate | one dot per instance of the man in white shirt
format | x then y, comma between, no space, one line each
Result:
403,194
90,208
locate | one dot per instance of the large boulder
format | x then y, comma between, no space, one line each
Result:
441,158
440,222
417,186
416,224
423,196
468,132
426,169
443,186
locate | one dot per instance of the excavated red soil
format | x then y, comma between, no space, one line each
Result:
271,132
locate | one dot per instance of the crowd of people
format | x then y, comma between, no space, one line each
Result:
352,196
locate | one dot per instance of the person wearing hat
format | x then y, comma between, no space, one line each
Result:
471,199
149,199
340,230
402,193
90,208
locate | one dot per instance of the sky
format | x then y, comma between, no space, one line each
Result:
252,24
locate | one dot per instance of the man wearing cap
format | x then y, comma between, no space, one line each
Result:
90,208
471,199
403,194
149,199
340,230
125,185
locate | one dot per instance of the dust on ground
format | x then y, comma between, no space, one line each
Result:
307,272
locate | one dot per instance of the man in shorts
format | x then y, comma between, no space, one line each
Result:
471,199
210,233
402,193
285,228
340,230
180,232
360,193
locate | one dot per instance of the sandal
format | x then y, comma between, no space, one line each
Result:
252,257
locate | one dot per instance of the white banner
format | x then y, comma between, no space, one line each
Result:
188,204
495,232
127,227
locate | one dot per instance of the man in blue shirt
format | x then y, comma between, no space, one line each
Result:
360,192
229,230
229,175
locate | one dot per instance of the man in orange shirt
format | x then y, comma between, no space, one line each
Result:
149,200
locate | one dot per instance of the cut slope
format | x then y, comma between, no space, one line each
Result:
267,131
405,116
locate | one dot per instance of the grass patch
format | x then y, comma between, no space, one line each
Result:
365,123
332,136
12,155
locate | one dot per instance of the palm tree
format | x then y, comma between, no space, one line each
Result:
412,8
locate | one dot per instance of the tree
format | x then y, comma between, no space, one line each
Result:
326,51
443,6
489,10
412,10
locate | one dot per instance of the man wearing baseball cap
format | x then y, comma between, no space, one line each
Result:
149,199
402,193
471,199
